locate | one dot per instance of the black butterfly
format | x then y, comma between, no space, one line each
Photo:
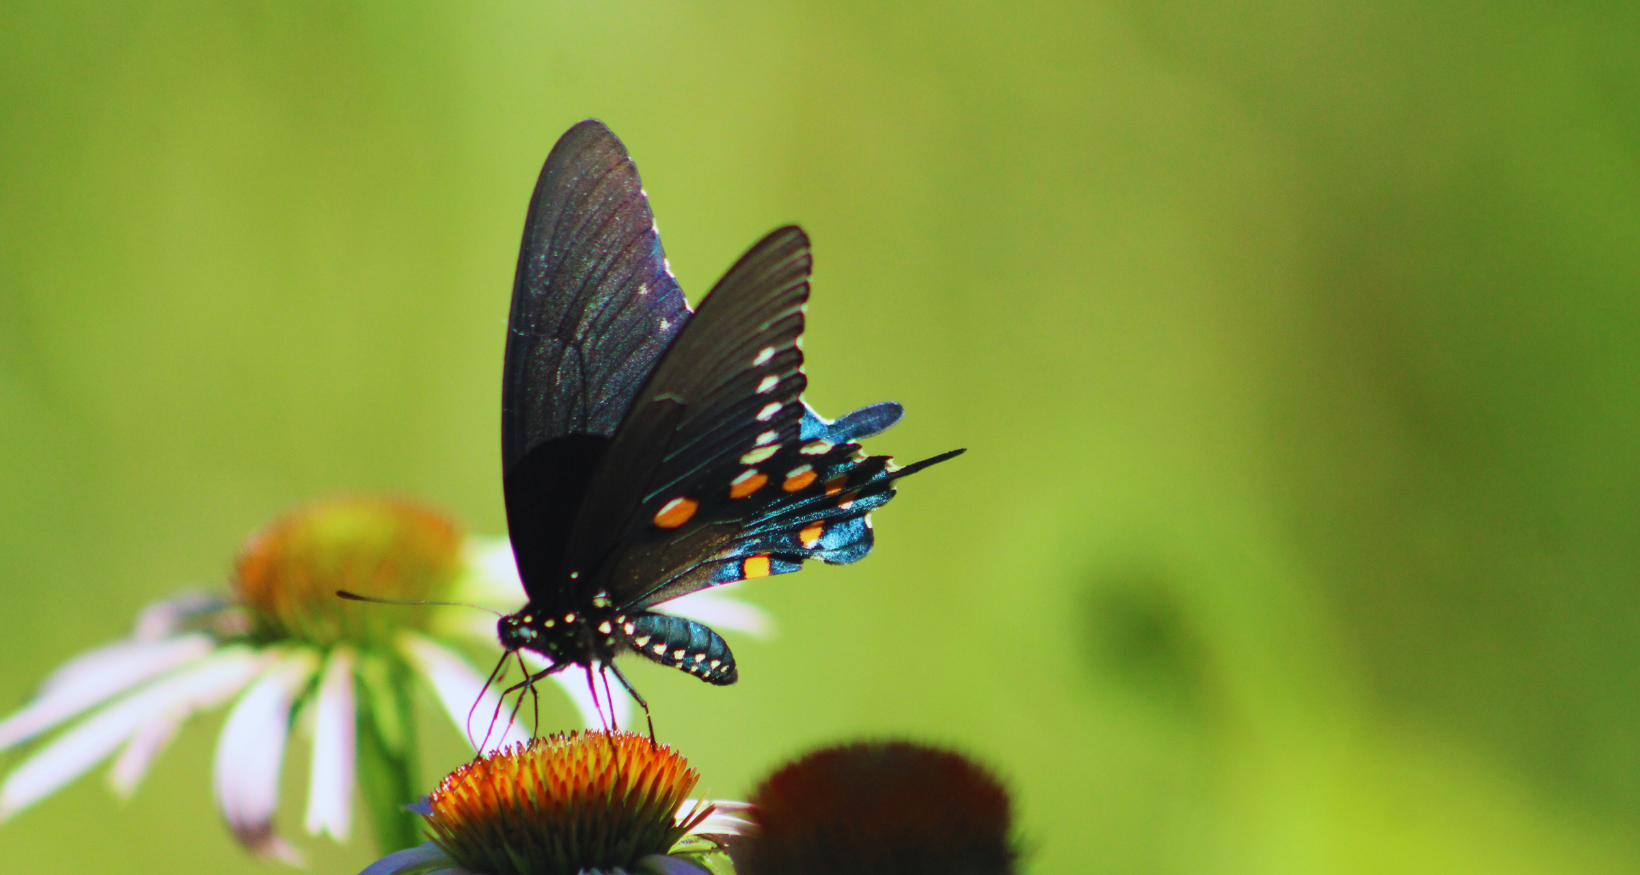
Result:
650,452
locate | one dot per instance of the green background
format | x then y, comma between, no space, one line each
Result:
1295,346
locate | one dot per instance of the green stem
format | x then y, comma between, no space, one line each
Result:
387,751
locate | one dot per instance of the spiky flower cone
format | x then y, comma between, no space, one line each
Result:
565,803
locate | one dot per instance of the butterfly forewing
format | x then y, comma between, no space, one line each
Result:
594,307
728,389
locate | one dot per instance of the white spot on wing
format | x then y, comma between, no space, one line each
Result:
816,448
768,412
767,384
763,356
767,437
758,455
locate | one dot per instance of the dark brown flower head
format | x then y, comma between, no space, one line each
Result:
566,803
878,807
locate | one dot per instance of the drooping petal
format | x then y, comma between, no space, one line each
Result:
212,679
252,748
97,676
728,817
459,687
413,859
330,781
139,752
716,608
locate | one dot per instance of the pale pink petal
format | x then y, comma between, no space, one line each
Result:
458,687
727,818
96,676
717,609
573,680
251,749
167,618
330,782
139,753
213,678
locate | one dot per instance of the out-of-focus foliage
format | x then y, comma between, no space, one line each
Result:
1294,343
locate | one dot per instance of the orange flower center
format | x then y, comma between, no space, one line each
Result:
565,803
289,572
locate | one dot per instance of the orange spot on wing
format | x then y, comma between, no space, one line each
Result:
744,486
755,567
676,512
799,481
836,484
811,534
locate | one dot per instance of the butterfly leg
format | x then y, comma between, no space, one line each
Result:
592,687
482,690
529,683
535,698
641,703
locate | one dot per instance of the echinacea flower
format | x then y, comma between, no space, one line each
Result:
604,802
878,808
295,655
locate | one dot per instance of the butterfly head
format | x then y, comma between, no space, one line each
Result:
517,630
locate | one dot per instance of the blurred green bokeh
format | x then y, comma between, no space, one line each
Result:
1297,347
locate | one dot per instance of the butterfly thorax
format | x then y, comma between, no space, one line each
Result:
580,637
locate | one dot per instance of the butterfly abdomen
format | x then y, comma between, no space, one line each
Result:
684,645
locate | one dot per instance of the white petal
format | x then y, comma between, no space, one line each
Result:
252,748
721,611
330,781
408,860
140,751
574,682
458,687
494,578
94,677
727,818
212,679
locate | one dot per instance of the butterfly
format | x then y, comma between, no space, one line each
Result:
649,451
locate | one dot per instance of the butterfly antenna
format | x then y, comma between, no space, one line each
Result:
641,703
355,597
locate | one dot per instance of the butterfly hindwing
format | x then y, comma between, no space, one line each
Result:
594,307
817,506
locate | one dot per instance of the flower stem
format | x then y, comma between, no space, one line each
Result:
387,751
